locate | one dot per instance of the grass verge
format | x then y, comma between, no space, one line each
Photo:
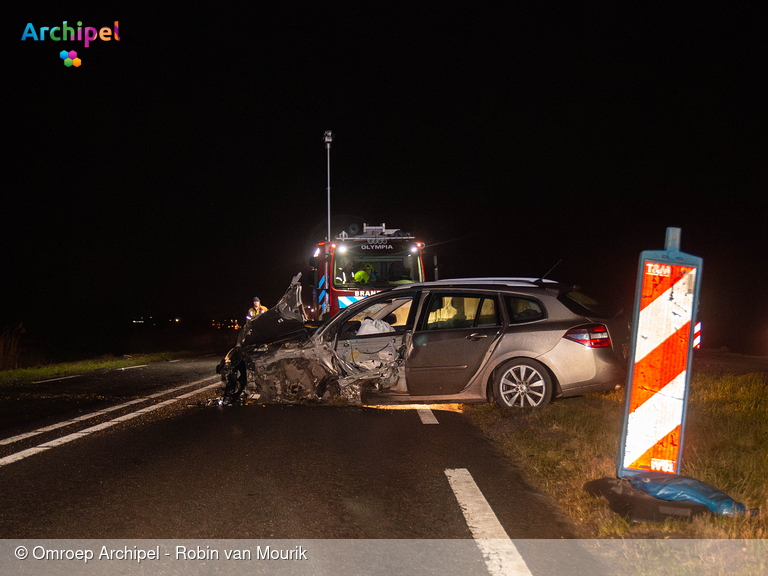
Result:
572,441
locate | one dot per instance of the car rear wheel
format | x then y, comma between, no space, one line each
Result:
522,383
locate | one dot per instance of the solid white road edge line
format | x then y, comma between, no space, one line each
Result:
54,379
426,415
103,426
13,439
499,552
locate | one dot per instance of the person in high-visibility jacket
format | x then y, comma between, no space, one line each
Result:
365,275
256,309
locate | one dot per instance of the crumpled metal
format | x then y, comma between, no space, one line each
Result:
314,372
306,370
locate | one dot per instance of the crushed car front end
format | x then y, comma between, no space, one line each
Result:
281,357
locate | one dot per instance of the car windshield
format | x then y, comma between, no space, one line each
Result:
361,265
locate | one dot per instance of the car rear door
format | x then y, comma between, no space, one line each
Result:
452,338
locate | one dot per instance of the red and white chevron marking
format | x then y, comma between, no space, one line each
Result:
659,374
697,335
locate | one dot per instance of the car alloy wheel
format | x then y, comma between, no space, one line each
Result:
522,383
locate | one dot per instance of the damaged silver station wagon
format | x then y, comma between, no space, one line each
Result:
518,341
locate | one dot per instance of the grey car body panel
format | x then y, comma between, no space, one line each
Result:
444,362
577,373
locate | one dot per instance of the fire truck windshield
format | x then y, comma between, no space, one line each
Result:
384,267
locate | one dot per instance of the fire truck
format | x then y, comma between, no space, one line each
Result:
359,264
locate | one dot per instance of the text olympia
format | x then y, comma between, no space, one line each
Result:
67,33
659,372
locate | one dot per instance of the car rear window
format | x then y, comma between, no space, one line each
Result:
523,310
579,303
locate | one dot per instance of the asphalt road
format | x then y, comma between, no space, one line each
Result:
268,472
720,362
33,405
148,453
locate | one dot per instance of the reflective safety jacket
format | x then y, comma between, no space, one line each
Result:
254,311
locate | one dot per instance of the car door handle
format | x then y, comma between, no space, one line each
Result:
476,336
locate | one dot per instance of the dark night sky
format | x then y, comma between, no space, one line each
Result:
182,169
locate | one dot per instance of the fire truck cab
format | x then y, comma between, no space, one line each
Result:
353,267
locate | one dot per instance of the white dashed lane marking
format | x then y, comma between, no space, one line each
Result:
426,415
499,552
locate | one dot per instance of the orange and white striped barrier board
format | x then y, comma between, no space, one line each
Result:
666,301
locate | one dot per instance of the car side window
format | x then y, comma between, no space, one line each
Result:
381,317
523,310
452,311
489,315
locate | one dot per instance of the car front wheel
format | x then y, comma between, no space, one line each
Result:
522,383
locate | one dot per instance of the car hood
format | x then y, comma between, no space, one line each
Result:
284,323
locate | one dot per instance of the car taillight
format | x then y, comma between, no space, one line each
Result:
591,335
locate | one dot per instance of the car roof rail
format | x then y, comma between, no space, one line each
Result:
516,281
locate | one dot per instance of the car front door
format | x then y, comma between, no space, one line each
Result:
452,338
372,338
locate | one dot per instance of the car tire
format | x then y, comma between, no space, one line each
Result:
236,382
522,383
